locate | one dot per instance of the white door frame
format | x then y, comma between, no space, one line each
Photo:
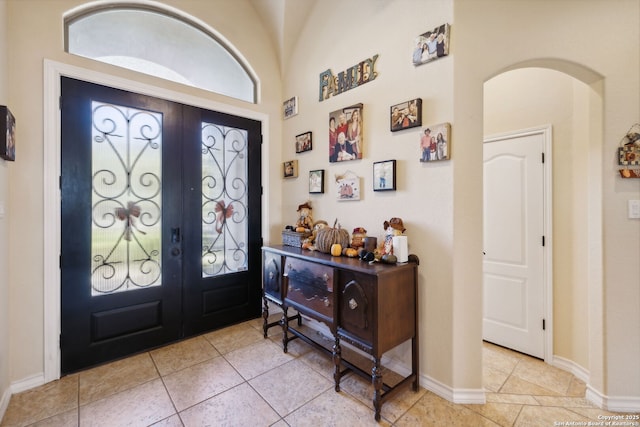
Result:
547,285
53,71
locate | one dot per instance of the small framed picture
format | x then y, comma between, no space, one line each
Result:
290,107
406,115
347,186
290,169
316,181
8,134
303,142
435,143
384,175
432,45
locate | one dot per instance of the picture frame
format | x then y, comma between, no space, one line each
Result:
384,175
435,143
304,142
431,45
290,169
290,107
347,186
346,138
405,115
8,134
316,181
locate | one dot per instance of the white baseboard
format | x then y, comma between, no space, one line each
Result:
613,403
4,402
572,367
27,383
460,396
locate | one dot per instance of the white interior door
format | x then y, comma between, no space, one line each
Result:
513,227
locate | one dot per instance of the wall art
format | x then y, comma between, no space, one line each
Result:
406,115
316,181
384,175
303,142
8,135
431,45
290,169
290,107
352,77
435,143
347,186
629,153
346,139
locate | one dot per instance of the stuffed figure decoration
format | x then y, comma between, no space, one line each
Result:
393,227
305,220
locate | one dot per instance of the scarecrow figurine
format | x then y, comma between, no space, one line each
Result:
393,227
305,220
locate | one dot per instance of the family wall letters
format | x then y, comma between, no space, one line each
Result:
352,77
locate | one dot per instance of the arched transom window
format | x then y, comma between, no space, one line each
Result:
161,44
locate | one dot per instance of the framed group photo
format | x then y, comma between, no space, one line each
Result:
406,115
345,134
384,175
290,107
304,142
435,143
433,44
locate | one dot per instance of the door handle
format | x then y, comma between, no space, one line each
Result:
175,235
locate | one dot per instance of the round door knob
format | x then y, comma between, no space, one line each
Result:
175,251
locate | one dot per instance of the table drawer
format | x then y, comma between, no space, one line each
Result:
310,286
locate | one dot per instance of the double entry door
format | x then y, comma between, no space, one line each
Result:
160,224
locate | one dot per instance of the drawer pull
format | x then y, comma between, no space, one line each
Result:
271,275
353,304
327,302
325,276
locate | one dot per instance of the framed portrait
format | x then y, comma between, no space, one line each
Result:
435,142
384,175
290,107
406,115
303,142
316,181
346,140
290,169
433,44
8,136
347,186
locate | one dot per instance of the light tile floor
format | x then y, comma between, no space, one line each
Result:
235,377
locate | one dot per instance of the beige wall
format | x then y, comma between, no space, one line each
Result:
533,97
38,36
4,227
440,203
609,64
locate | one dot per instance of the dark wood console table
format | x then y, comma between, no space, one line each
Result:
373,307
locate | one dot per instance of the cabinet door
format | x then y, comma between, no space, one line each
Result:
310,288
272,277
356,305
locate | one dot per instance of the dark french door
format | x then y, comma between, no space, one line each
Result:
160,224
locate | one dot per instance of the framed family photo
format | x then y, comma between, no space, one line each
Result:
345,134
316,181
290,169
435,142
384,175
433,44
290,107
8,134
406,115
303,142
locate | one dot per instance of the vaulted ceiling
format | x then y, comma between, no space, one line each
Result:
284,19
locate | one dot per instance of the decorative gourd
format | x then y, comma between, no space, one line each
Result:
336,249
327,236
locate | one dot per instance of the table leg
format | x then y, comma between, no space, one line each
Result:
376,379
337,360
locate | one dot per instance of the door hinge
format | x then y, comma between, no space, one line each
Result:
543,157
60,341
544,325
542,240
60,262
